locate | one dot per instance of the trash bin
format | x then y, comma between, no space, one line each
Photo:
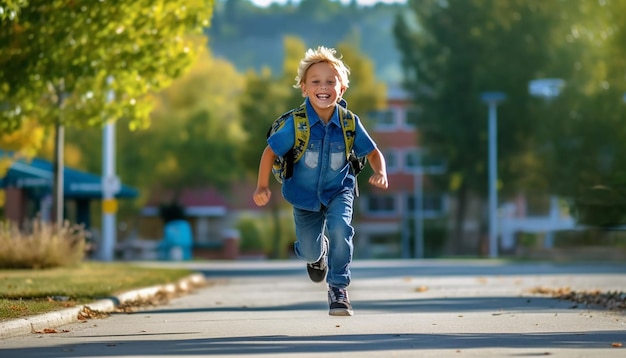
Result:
177,241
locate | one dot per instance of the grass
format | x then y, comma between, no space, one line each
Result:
30,292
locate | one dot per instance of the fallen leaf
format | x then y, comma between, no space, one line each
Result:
616,345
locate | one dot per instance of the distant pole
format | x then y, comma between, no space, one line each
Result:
59,166
59,195
492,99
110,187
419,207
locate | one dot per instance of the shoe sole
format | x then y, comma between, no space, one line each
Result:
340,312
317,276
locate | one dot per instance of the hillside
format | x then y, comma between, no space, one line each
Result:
251,37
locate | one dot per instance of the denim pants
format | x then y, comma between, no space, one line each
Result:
334,219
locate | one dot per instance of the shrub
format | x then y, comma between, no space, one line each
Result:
39,245
251,236
257,233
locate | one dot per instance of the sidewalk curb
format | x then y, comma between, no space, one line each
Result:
32,324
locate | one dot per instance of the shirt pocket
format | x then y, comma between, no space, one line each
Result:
312,154
337,155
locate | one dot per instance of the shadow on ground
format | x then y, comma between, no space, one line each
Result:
431,268
281,345
496,305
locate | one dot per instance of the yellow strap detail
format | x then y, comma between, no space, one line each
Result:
302,130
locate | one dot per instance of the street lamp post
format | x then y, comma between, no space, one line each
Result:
492,99
418,207
110,187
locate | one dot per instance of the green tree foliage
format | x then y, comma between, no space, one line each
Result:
9,9
193,137
454,50
366,93
247,35
59,60
583,131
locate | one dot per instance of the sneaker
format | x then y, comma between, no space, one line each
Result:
317,270
339,302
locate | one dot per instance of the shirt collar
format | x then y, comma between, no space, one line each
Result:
314,118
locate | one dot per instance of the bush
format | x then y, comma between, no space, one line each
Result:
250,236
257,234
41,245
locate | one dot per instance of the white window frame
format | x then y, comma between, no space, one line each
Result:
388,124
405,118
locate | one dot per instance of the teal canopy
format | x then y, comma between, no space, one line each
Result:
39,174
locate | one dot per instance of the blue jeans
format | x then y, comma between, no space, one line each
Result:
334,219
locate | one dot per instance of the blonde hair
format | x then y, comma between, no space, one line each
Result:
322,54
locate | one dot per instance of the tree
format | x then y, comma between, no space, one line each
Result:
583,132
453,51
61,61
58,58
366,93
193,136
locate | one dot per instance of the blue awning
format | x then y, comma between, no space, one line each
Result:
39,173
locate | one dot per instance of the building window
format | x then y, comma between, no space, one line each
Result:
412,159
430,164
412,117
381,204
432,204
391,160
382,119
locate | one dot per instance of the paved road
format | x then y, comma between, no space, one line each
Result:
402,309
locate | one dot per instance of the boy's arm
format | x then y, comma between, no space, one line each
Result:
377,162
262,193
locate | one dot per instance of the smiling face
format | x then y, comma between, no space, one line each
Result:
322,85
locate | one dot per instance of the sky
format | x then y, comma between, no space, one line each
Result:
360,2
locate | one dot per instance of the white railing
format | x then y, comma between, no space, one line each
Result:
510,224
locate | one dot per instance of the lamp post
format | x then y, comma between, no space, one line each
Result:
418,206
492,99
110,187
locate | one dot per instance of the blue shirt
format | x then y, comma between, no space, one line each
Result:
323,171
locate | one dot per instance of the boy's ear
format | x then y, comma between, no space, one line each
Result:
302,89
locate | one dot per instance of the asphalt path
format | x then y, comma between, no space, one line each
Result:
403,308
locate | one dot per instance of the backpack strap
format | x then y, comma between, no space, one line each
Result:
348,126
283,167
302,132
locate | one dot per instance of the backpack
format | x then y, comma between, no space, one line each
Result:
283,166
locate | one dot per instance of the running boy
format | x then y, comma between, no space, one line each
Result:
322,187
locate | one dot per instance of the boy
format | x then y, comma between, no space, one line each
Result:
322,187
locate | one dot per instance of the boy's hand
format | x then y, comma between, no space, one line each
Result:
261,196
379,181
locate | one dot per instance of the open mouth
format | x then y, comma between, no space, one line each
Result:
323,96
